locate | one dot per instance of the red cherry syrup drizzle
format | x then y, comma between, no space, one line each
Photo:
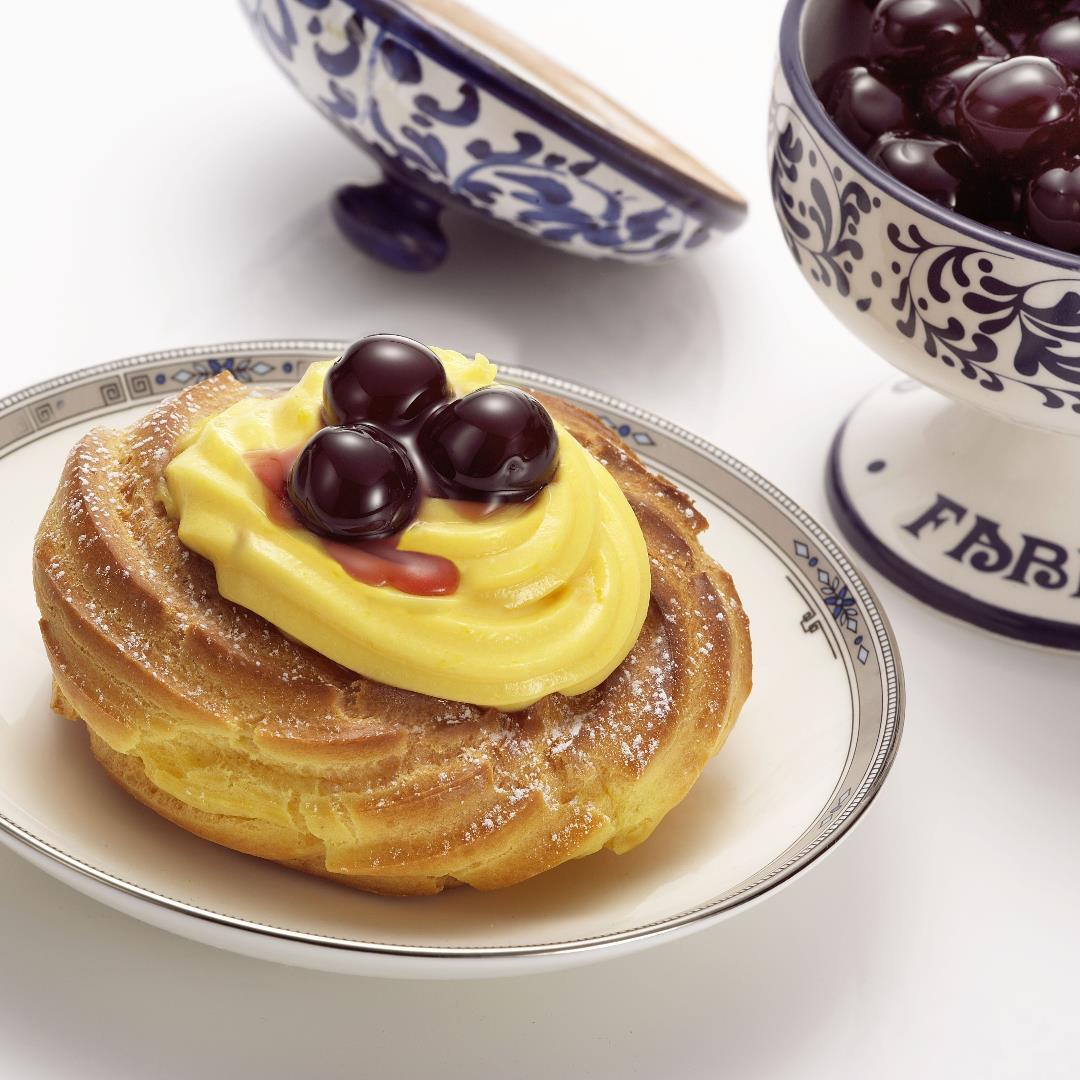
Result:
373,562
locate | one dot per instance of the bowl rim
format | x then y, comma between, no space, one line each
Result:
798,79
710,205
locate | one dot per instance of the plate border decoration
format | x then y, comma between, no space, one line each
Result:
810,553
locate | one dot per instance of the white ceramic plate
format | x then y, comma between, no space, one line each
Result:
809,752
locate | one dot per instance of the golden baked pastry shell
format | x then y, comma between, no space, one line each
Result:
209,715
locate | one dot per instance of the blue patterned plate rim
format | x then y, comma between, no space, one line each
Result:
798,79
721,209
836,823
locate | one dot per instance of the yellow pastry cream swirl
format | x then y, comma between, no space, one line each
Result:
552,592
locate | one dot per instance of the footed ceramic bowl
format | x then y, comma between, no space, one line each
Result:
960,483
458,113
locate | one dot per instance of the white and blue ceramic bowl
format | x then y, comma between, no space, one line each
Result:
973,510
457,113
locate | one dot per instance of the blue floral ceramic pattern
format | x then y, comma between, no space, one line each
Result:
439,120
836,806
625,431
243,367
838,598
1008,326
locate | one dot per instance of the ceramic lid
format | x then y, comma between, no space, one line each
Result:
569,92
460,113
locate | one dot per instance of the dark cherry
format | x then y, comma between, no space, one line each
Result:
385,379
354,483
941,94
495,443
1060,42
1020,113
863,105
919,37
937,168
1052,206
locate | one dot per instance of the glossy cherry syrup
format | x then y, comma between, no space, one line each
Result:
271,469
373,562
382,562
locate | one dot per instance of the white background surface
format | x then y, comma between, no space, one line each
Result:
163,186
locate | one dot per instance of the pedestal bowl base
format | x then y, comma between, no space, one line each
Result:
975,516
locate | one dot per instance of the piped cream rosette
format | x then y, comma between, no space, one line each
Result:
552,593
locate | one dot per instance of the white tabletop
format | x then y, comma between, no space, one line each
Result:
164,186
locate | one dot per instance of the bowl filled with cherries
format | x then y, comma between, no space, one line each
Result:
925,167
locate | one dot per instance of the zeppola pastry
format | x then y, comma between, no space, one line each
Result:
399,626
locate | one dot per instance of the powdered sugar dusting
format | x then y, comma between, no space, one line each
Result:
362,756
